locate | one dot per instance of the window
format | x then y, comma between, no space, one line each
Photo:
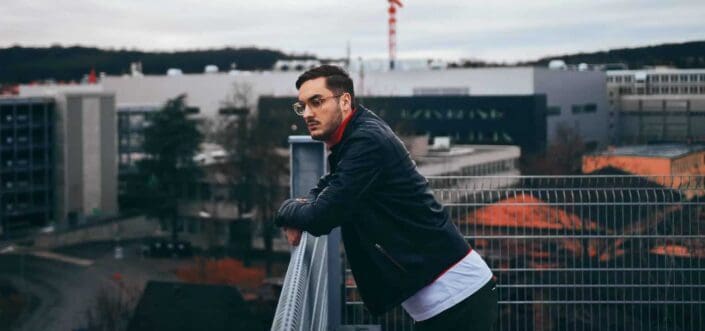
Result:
664,78
586,108
702,77
628,79
702,89
693,78
610,79
684,78
674,89
553,110
664,90
674,78
693,90
618,79
654,78
654,90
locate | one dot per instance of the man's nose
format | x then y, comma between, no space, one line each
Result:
307,112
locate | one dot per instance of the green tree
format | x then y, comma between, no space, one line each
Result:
170,143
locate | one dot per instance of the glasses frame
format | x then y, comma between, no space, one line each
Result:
299,107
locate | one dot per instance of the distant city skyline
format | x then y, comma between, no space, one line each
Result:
500,31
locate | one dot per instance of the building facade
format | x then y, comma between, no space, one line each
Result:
657,105
81,133
574,99
27,186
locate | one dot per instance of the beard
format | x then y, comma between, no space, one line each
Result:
325,133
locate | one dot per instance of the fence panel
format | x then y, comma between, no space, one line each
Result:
591,252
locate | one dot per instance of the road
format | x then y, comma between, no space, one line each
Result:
65,291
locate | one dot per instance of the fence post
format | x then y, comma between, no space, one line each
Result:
307,165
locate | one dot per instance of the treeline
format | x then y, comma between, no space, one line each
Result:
27,64
683,55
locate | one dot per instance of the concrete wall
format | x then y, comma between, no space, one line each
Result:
567,88
208,91
91,154
132,228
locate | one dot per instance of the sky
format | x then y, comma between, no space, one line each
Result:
495,31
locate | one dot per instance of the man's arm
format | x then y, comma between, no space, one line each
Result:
355,173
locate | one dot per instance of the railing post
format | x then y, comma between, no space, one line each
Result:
308,164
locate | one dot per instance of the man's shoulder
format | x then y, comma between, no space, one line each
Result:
371,126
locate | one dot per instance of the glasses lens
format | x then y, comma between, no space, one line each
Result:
299,108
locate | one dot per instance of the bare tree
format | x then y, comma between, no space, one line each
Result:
113,307
253,168
562,157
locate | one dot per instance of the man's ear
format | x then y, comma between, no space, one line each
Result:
346,98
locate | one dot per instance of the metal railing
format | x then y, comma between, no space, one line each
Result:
580,252
594,252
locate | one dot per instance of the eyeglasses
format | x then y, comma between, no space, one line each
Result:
314,103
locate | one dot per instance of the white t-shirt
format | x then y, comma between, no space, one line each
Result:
459,282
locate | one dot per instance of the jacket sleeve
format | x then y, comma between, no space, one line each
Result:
322,183
355,173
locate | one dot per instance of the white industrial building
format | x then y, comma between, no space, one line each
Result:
576,99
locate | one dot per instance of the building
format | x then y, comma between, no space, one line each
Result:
82,136
27,164
87,157
668,165
575,99
657,105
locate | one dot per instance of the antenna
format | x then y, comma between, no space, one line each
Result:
393,31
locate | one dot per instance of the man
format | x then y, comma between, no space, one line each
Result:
399,241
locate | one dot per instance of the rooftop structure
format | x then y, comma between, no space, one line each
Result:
669,164
471,160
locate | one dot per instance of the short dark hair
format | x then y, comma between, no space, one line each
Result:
337,80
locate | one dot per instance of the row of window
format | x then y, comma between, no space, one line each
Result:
674,78
586,108
488,168
575,109
661,90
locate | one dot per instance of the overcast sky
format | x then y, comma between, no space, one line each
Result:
498,30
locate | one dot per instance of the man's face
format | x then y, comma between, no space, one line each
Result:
323,113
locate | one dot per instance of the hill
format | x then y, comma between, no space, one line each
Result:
26,64
681,55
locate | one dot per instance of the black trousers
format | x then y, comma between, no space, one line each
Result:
477,313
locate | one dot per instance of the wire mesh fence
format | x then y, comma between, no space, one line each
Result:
596,252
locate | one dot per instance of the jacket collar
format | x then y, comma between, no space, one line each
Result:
350,126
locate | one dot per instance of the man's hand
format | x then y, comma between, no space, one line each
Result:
293,236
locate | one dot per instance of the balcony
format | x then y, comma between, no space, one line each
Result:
593,252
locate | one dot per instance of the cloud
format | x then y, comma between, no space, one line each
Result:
500,30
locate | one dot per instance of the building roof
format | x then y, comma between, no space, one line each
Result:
527,211
669,151
182,306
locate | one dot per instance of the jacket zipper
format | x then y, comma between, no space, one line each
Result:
389,257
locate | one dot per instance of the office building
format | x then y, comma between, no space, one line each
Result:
84,161
27,149
658,105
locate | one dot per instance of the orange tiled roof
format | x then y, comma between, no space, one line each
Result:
527,211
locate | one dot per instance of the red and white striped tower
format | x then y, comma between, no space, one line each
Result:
393,31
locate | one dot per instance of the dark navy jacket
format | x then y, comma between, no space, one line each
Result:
397,237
